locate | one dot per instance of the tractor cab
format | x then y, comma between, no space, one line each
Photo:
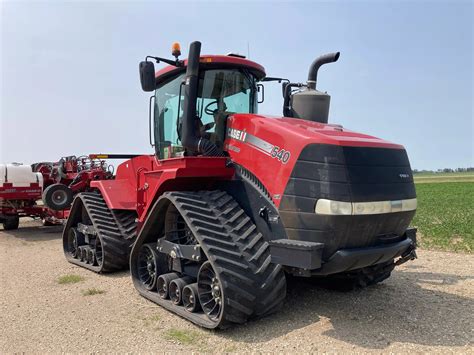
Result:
225,85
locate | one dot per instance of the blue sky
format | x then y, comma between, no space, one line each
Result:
70,85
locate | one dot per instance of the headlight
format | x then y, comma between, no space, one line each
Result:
330,207
324,206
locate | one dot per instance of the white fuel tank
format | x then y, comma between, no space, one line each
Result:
19,175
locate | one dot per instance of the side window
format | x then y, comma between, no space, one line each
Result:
239,102
171,113
168,109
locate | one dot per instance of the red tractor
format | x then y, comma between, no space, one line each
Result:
233,201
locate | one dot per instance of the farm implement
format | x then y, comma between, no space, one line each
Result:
232,201
53,183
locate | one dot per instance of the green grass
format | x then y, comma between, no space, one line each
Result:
152,320
186,337
92,291
70,279
445,215
155,318
443,177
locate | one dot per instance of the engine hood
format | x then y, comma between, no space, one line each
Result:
269,146
309,131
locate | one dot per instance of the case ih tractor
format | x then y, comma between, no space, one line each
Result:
233,201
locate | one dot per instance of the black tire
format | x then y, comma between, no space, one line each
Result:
57,197
11,222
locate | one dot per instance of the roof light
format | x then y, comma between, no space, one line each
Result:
176,49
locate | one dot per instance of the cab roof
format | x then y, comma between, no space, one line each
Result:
213,62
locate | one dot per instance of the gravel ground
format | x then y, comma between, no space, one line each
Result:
426,306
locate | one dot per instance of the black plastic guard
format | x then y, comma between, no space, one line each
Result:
308,255
296,253
351,259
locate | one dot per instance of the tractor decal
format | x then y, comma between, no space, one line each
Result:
258,143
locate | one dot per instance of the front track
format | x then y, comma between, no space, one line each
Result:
208,241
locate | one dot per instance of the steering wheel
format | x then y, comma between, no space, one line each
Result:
207,108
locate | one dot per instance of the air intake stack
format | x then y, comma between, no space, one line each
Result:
309,103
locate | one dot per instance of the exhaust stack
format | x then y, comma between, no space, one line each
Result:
310,104
318,62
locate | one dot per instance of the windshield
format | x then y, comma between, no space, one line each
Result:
221,92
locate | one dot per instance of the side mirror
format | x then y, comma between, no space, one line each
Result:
147,76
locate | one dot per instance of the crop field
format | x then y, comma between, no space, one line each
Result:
445,215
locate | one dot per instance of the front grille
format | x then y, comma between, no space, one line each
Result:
357,174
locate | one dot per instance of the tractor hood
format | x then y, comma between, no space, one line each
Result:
272,148
301,132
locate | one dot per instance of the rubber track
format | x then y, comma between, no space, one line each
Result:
116,230
238,253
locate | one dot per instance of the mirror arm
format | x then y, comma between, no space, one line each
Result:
280,80
176,63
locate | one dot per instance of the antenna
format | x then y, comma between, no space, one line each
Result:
248,50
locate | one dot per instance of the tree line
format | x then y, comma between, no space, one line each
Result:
445,170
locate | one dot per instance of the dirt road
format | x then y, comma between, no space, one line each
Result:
426,306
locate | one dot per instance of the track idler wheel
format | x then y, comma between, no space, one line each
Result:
176,289
163,284
99,252
210,291
148,266
191,298
75,239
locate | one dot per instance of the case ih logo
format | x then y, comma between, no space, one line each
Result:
236,134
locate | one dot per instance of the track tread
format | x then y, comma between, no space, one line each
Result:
116,230
246,264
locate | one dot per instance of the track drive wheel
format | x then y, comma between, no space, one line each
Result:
74,241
